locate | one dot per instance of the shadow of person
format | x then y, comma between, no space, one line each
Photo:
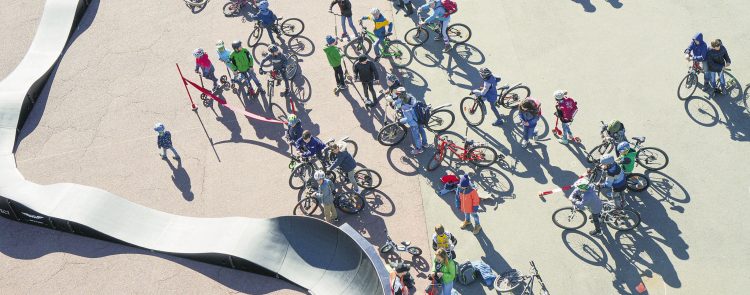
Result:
615,3
587,6
491,256
735,117
181,180
702,111
229,120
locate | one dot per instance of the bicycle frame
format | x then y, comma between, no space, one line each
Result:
373,38
446,144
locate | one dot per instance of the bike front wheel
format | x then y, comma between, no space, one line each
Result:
514,96
596,153
508,281
569,218
652,158
300,175
482,156
358,46
459,33
392,134
623,219
306,206
291,66
368,178
473,111
416,251
350,203
386,248
637,182
292,27
254,37
231,9
435,161
687,86
416,36
440,120
399,54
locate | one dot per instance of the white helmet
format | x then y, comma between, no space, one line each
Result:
319,174
582,183
198,52
219,44
375,11
560,94
607,159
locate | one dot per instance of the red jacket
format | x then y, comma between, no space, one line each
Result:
469,200
566,109
203,62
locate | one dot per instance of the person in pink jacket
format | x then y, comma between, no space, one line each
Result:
566,110
206,68
469,199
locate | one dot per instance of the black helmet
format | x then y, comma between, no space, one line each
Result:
485,73
362,58
236,44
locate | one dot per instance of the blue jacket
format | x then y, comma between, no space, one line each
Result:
489,89
294,133
615,177
698,51
224,56
380,24
717,59
410,117
313,147
529,118
164,140
437,13
278,62
266,17
345,160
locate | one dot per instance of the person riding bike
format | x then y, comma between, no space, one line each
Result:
488,91
406,103
309,145
294,129
615,179
347,164
241,63
438,15
566,110
626,157
206,68
584,196
345,6
380,29
279,63
267,20
324,195
442,239
697,52
614,130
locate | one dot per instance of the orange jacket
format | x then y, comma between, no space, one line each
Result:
404,288
469,200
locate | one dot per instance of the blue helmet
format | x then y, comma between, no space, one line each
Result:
330,40
159,127
623,146
263,5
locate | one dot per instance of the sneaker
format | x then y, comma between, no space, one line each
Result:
465,224
163,157
535,137
447,48
426,145
595,233
562,141
524,143
344,35
438,38
416,151
477,229
498,122
369,102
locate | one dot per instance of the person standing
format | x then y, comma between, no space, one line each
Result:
583,196
382,29
347,164
566,109
442,239
401,281
718,59
334,59
366,72
164,142
445,271
530,112
406,102
325,196
697,52
469,201
241,62
204,67
345,6
223,54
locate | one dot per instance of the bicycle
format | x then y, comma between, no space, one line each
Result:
396,51
636,182
195,3
651,158
479,154
394,132
457,33
291,27
233,7
275,78
473,109
303,167
405,246
366,178
512,279
690,82
347,202
621,219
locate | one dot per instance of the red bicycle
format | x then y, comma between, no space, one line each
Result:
233,7
479,154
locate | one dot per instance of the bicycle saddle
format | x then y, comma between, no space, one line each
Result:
504,87
639,139
406,243
469,142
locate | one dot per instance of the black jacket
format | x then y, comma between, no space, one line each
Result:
717,59
344,5
366,71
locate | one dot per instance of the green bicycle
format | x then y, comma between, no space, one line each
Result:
394,50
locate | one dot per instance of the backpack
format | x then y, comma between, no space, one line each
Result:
422,112
450,7
466,273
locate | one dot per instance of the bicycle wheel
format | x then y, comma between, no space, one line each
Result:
435,161
195,3
746,97
569,218
278,112
482,156
509,280
392,134
514,96
386,248
459,33
652,158
358,46
352,147
399,54
473,111
416,251
368,178
638,182
306,206
350,203
687,86
416,36
440,120
300,175
623,219
292,27
291,66
254,36
230,9
596,153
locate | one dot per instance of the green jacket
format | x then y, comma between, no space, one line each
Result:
448,270
241,61
628,166
334,55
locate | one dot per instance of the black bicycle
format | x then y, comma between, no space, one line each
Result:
651,158
621,219
348,202
393,132
457,33
291,27
473,109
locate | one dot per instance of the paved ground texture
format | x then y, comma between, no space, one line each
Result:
618,59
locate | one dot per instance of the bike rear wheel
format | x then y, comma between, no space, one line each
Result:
350,203
623,219
416,36
440,120
254,36
306,206
482,156
358,46
514,96
416,251
509,280
687,86
652,158
473,111
300,175
596,153
435,161
292,27
399,54
392,134
368,178
637,182
569,218
231,9
386,248
291,67
459,33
